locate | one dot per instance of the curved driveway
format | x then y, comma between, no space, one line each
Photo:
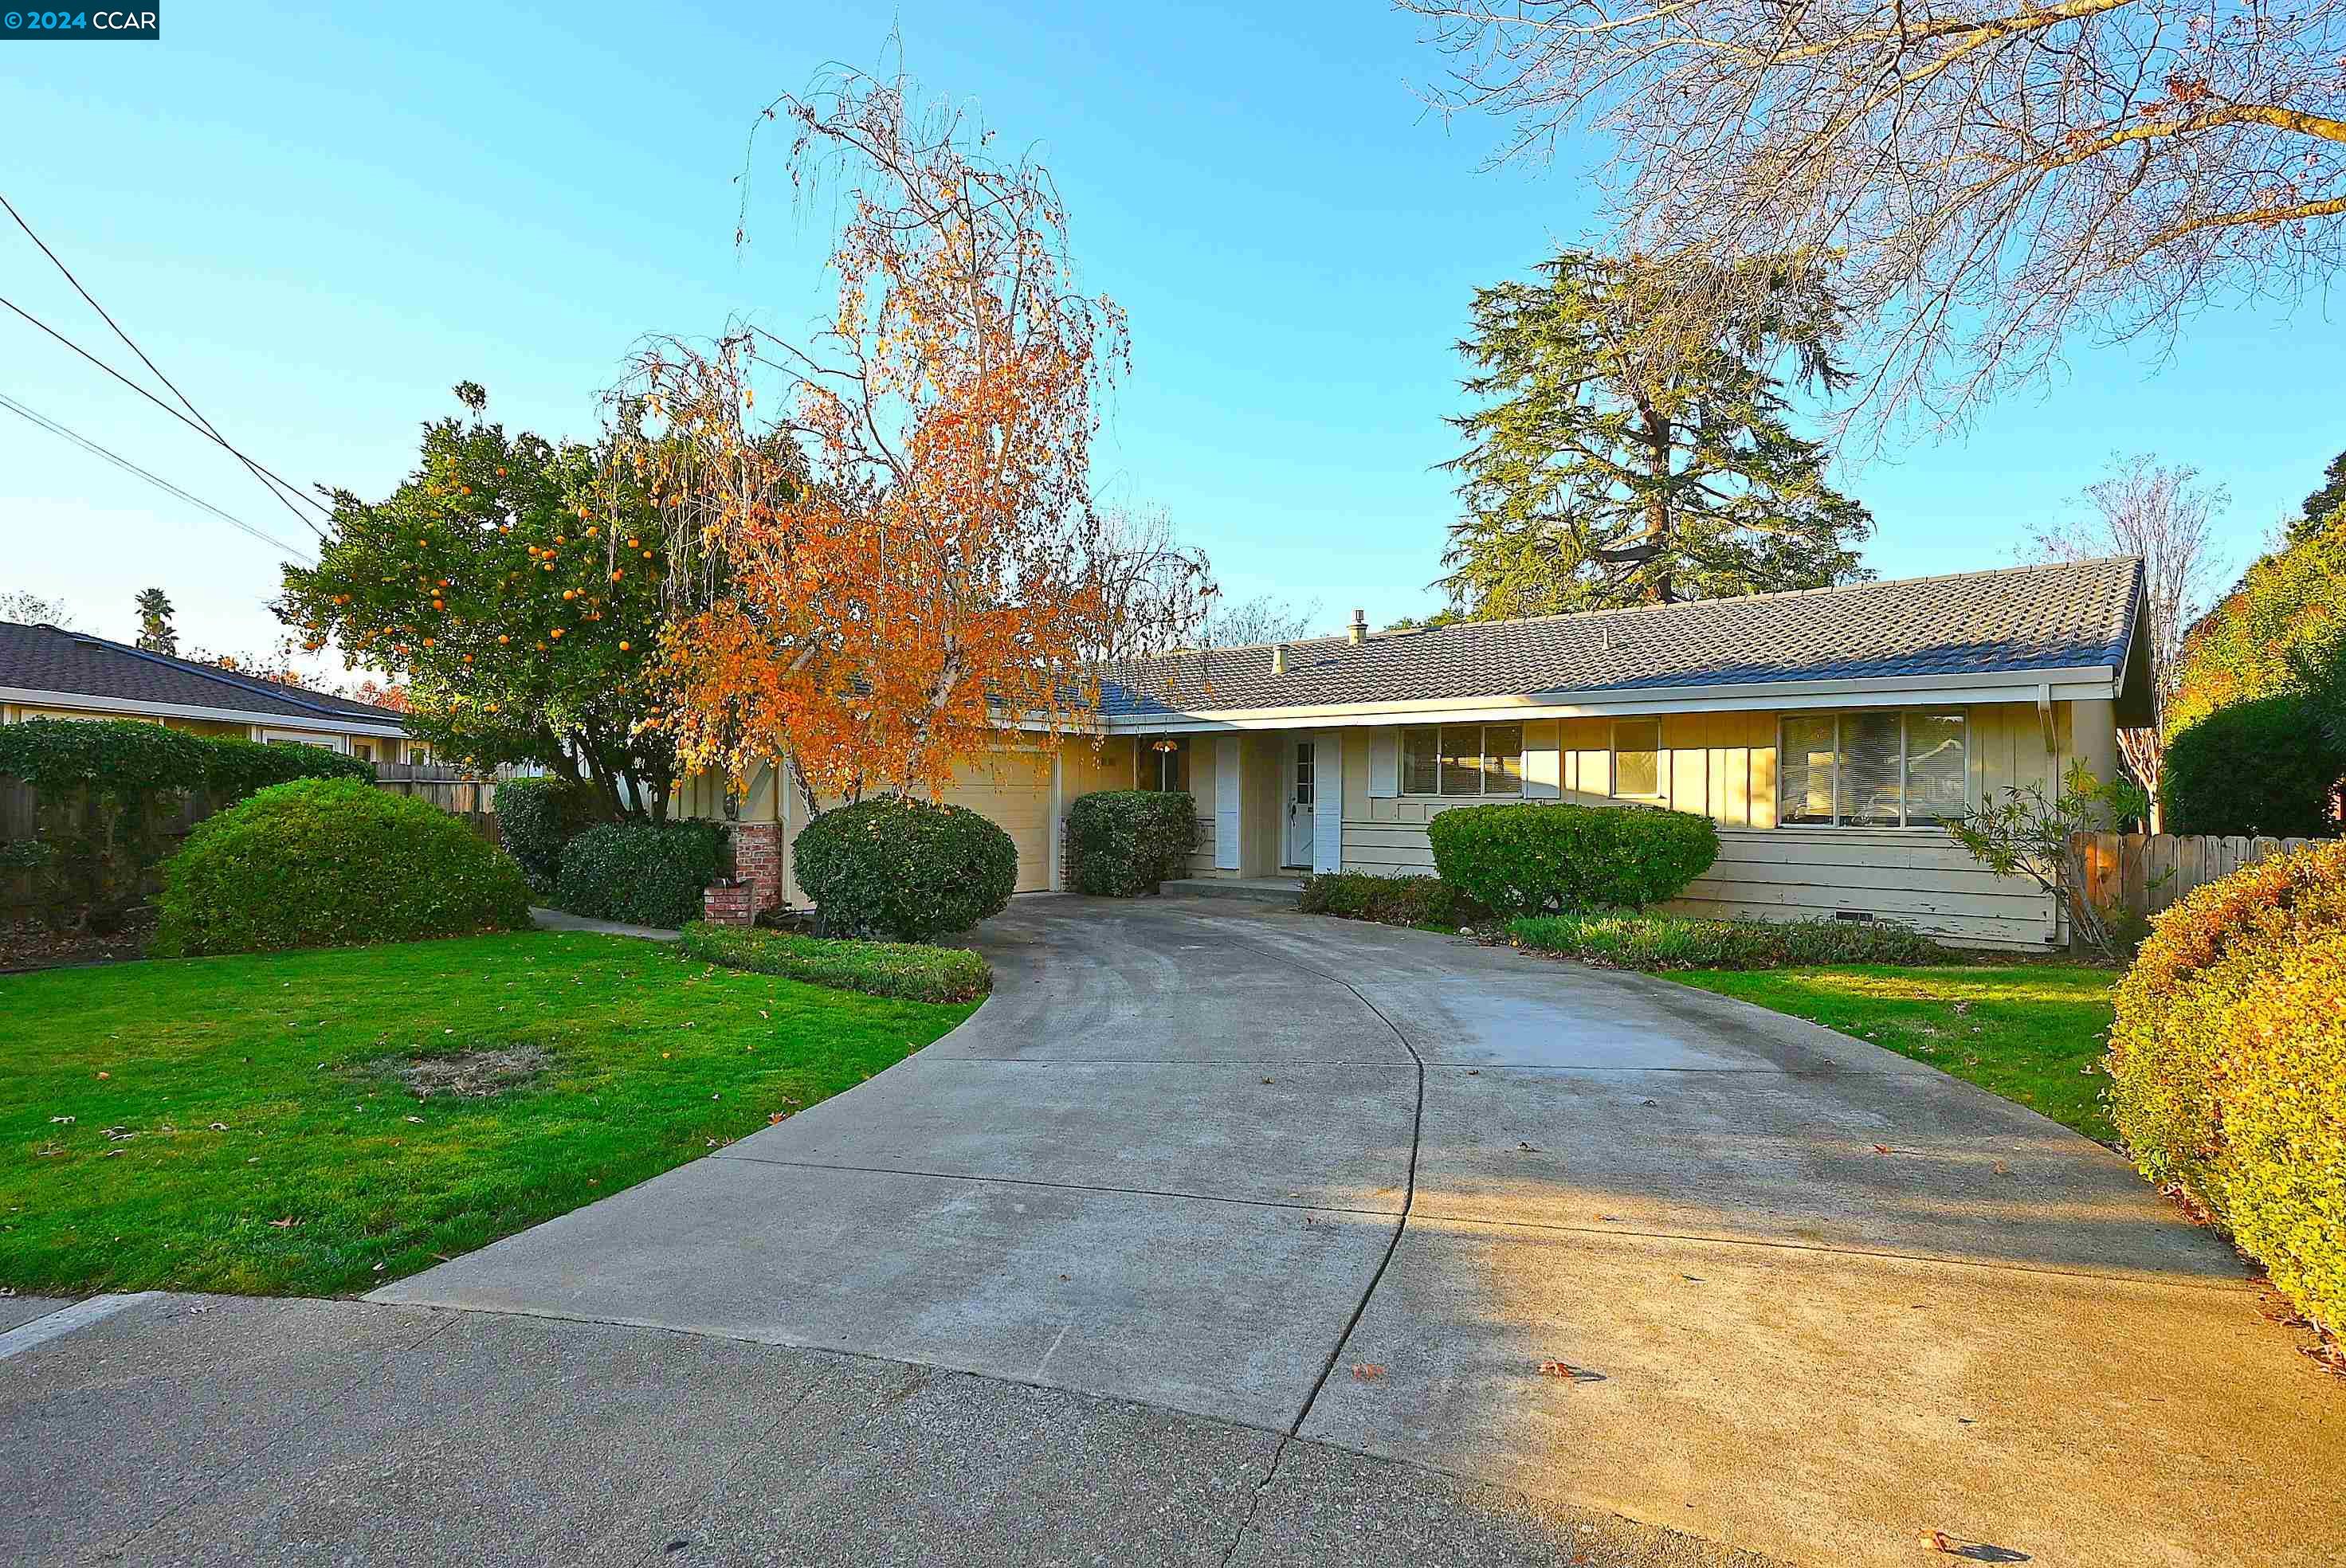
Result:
1357,1185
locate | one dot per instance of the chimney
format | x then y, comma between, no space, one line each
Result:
1360,628
1278,658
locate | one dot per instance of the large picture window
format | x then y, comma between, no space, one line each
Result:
1870,770
1462,759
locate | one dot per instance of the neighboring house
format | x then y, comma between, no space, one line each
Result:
1829,733
45,672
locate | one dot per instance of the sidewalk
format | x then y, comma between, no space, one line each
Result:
555,919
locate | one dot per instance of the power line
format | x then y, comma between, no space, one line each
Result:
150,397
156,480
209,428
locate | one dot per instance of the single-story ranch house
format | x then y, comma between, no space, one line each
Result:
45,672
1829,733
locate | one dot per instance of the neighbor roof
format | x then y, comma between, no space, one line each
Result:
2065,616
42,658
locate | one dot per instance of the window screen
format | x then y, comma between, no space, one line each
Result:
1462,759
1502,760
1421,753
1804,772
1871,769
1873,791
1934,767
1637,757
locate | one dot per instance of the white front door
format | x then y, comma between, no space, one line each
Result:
1299,807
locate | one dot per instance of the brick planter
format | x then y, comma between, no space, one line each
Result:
729,904
758,861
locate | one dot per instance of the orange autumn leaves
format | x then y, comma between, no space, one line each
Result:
905,559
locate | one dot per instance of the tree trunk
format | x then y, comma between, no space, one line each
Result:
1661,587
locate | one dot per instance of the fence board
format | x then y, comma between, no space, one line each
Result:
2147,874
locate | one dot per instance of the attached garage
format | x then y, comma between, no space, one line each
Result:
1013,789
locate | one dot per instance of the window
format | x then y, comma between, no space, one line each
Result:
1638,758
1462,759
1870,770
1165,765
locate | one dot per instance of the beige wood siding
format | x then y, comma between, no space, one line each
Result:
1723,766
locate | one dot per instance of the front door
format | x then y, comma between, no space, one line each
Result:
1299,807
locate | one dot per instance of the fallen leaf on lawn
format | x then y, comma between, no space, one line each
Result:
1936,1540
1557,1369
288,1223
219,1127
763,1013
418,1119
1367,1371
106,1075
68,1121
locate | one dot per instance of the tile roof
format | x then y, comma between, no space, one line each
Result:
2070,615
44,658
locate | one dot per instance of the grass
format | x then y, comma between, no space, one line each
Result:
2033,1033
248,1125
908,968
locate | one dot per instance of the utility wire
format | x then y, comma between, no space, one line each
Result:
156,480
209,428
150,397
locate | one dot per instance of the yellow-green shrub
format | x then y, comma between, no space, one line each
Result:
2228,1065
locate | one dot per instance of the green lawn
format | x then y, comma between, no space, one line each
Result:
248,1124
2032,1033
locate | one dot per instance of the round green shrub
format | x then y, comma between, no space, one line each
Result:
2266,766
904,869
536,817
1534,859
328,862
2228,1064
1123,842
642,875
1390,901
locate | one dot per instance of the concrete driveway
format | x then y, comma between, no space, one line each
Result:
1354,1186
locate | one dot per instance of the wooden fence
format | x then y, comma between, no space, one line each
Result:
2146,872
455,790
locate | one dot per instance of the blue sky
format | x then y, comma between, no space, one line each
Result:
318,218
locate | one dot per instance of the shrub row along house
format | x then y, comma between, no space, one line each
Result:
1831,734
47,673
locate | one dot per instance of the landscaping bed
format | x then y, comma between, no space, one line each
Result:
912,970
324,1120
1629,939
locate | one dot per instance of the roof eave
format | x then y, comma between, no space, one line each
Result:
35,697
2068,684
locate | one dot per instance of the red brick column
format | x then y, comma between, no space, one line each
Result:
722,904
757,860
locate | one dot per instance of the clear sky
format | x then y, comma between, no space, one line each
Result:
318,218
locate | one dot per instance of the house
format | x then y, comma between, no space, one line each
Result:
48,673
1829,733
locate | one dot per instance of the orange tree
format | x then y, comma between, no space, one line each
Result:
901,557
514,585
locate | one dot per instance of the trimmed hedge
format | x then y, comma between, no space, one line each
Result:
1123,842
2228,1065
640,874
904,869
1391,900
110,791
1529,858
2266,766
536,817
914,971
1622,940
127,756
329,862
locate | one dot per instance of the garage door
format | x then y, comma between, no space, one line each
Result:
1015,790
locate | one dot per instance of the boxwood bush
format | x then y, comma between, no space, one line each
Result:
1123,842
536,817
326,862
912,970
1391,900
1533,858
2266,766
906,869
640,874
1624,939
2228,1065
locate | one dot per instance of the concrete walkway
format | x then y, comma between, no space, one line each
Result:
560,920
1227,1233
